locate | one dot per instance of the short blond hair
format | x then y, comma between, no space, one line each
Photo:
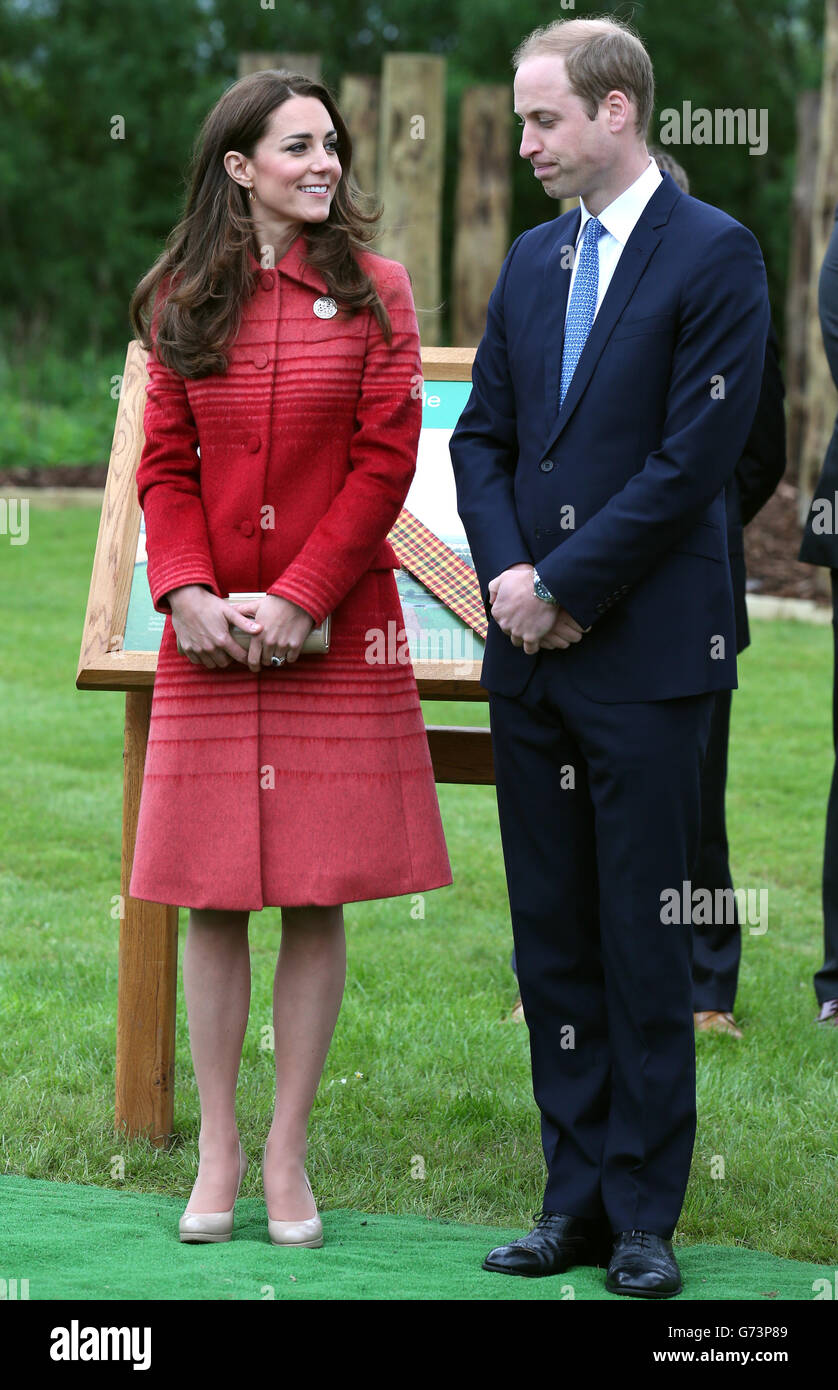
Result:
600,55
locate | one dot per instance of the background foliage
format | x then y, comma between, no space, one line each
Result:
82,215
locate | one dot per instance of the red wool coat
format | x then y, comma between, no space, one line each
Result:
312,782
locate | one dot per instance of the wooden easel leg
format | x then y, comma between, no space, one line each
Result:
147,990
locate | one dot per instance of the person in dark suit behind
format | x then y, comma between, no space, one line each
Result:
820,547
612,395
717,945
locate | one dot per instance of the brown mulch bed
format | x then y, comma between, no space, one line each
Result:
56,475
771,541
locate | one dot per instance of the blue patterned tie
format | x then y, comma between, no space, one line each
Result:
580,314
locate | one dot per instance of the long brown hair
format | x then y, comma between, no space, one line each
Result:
208,249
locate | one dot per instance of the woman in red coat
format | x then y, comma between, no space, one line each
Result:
281,429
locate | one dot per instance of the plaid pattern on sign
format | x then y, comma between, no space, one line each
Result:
440,569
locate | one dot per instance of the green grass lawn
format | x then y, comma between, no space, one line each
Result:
442,1075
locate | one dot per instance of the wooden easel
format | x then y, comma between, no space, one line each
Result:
148,934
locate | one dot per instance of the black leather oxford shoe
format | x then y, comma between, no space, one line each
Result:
556,1243
643,1266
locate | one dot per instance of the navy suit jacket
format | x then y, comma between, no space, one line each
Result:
619,498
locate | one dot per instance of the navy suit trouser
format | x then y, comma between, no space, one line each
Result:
599,808
717,945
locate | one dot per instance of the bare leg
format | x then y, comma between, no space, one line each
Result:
308,989
216,984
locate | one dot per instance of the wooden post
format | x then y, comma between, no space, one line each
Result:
461,754
481,236
411,152
359,104
798,305
147,986
821,401
308,64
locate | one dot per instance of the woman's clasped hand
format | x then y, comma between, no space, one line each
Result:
203,624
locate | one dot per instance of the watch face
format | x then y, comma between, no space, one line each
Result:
542,591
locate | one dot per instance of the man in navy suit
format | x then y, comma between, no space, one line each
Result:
612,394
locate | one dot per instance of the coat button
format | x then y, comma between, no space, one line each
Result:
260,359
546,465
267,281
253,443
246,528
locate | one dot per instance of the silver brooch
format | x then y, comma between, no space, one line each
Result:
325,307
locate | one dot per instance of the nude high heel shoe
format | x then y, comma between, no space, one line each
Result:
307,1234
204,1227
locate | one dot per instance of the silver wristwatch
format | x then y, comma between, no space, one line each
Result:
540,589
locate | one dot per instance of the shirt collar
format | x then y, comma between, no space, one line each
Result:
621,215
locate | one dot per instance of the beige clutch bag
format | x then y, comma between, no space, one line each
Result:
317,641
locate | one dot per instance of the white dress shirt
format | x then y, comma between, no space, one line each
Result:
619,220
